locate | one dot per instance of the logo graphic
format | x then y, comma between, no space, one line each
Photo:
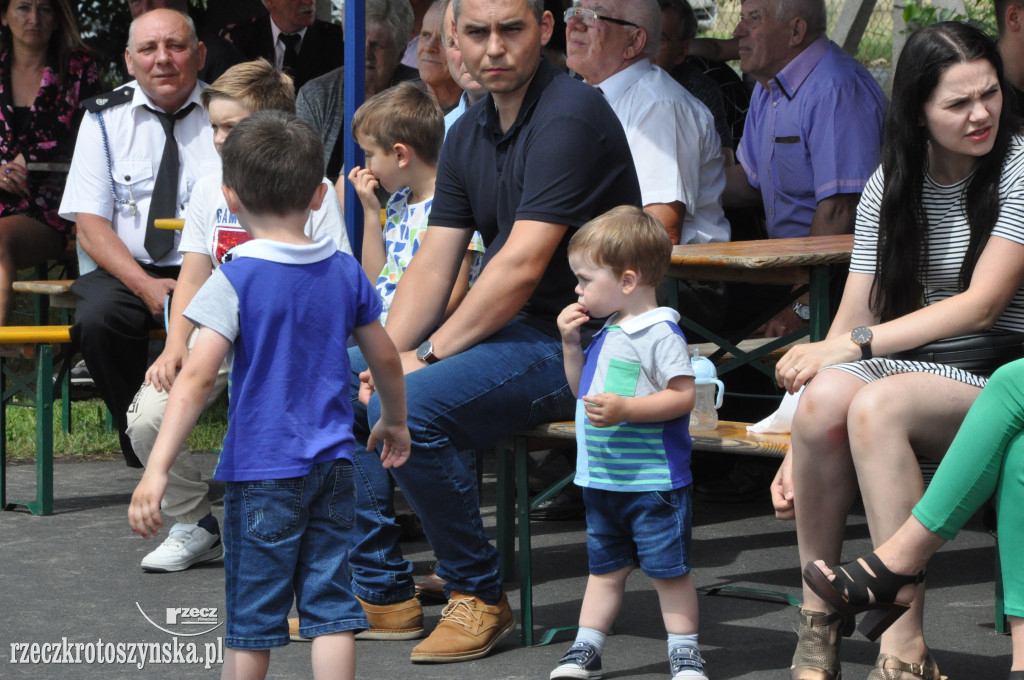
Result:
187,618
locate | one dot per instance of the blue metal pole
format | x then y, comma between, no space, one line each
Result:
355,78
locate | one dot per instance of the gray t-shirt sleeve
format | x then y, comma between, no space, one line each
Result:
670,358
215,306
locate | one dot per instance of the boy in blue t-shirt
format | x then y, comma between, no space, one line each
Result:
635,391
282,304
400,131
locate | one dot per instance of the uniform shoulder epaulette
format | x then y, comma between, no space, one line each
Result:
109,99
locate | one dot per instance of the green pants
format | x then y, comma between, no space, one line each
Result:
986,457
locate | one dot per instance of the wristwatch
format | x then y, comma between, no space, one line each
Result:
862,336
801,310
425,352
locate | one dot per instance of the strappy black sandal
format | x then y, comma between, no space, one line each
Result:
854,590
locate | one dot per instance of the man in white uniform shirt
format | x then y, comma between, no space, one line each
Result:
122,145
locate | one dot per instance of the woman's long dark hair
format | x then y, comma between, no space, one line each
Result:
903,226
63,42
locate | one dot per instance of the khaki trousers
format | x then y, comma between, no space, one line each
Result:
186,496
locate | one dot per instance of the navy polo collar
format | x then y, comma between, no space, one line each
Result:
488,115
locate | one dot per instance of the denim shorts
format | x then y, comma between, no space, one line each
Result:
287,540
649,528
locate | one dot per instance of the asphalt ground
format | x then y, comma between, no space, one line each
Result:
74,577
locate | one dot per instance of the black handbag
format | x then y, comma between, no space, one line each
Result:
979,353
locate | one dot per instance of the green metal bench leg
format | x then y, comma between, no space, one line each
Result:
43,407
43,504
506,511
524,504
3,434
819,289
523,529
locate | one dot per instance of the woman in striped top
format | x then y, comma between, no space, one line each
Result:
938,253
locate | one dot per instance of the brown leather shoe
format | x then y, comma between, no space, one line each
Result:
293,631
431,589
468,630
399,621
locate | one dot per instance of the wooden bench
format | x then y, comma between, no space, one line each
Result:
514,502
39,391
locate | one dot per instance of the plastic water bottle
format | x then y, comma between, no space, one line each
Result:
705,411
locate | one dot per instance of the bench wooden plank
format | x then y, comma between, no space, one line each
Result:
49,335
19,335
59,291
730,437
54,287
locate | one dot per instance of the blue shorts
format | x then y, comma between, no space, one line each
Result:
649,528
287,540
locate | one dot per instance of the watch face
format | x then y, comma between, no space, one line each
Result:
861,335
425,350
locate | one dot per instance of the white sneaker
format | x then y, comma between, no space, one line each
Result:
185,545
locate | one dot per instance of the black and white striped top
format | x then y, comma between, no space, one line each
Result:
948,238
948,231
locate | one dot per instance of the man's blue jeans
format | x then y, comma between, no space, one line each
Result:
508,382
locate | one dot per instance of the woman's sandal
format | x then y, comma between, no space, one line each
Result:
853,587
888,667
817,649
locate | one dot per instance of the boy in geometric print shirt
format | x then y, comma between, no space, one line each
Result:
635,391
400,131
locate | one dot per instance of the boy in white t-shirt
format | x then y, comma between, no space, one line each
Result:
400,131
209,234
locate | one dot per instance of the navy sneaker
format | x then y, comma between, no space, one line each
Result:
581,661
686,662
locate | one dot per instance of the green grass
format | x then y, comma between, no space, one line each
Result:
89,438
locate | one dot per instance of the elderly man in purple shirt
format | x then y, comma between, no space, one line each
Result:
813,131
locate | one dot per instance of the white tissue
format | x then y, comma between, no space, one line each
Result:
782,420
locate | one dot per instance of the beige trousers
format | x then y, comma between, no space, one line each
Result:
186,496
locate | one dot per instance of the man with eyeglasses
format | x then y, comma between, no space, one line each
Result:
677,152
535,159
813,131
672,136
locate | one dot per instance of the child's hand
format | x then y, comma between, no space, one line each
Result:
365,183
569,322
366,388
605,409
144,511
395,436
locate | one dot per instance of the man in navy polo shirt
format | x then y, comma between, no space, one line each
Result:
534,160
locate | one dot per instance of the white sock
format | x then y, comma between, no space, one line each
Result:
676,641
592,636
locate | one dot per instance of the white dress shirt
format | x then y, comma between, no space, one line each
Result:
279,45
675,147
136,142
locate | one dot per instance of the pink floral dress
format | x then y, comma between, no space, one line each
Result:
47,133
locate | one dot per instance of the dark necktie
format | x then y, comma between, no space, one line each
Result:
291,51
165,189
